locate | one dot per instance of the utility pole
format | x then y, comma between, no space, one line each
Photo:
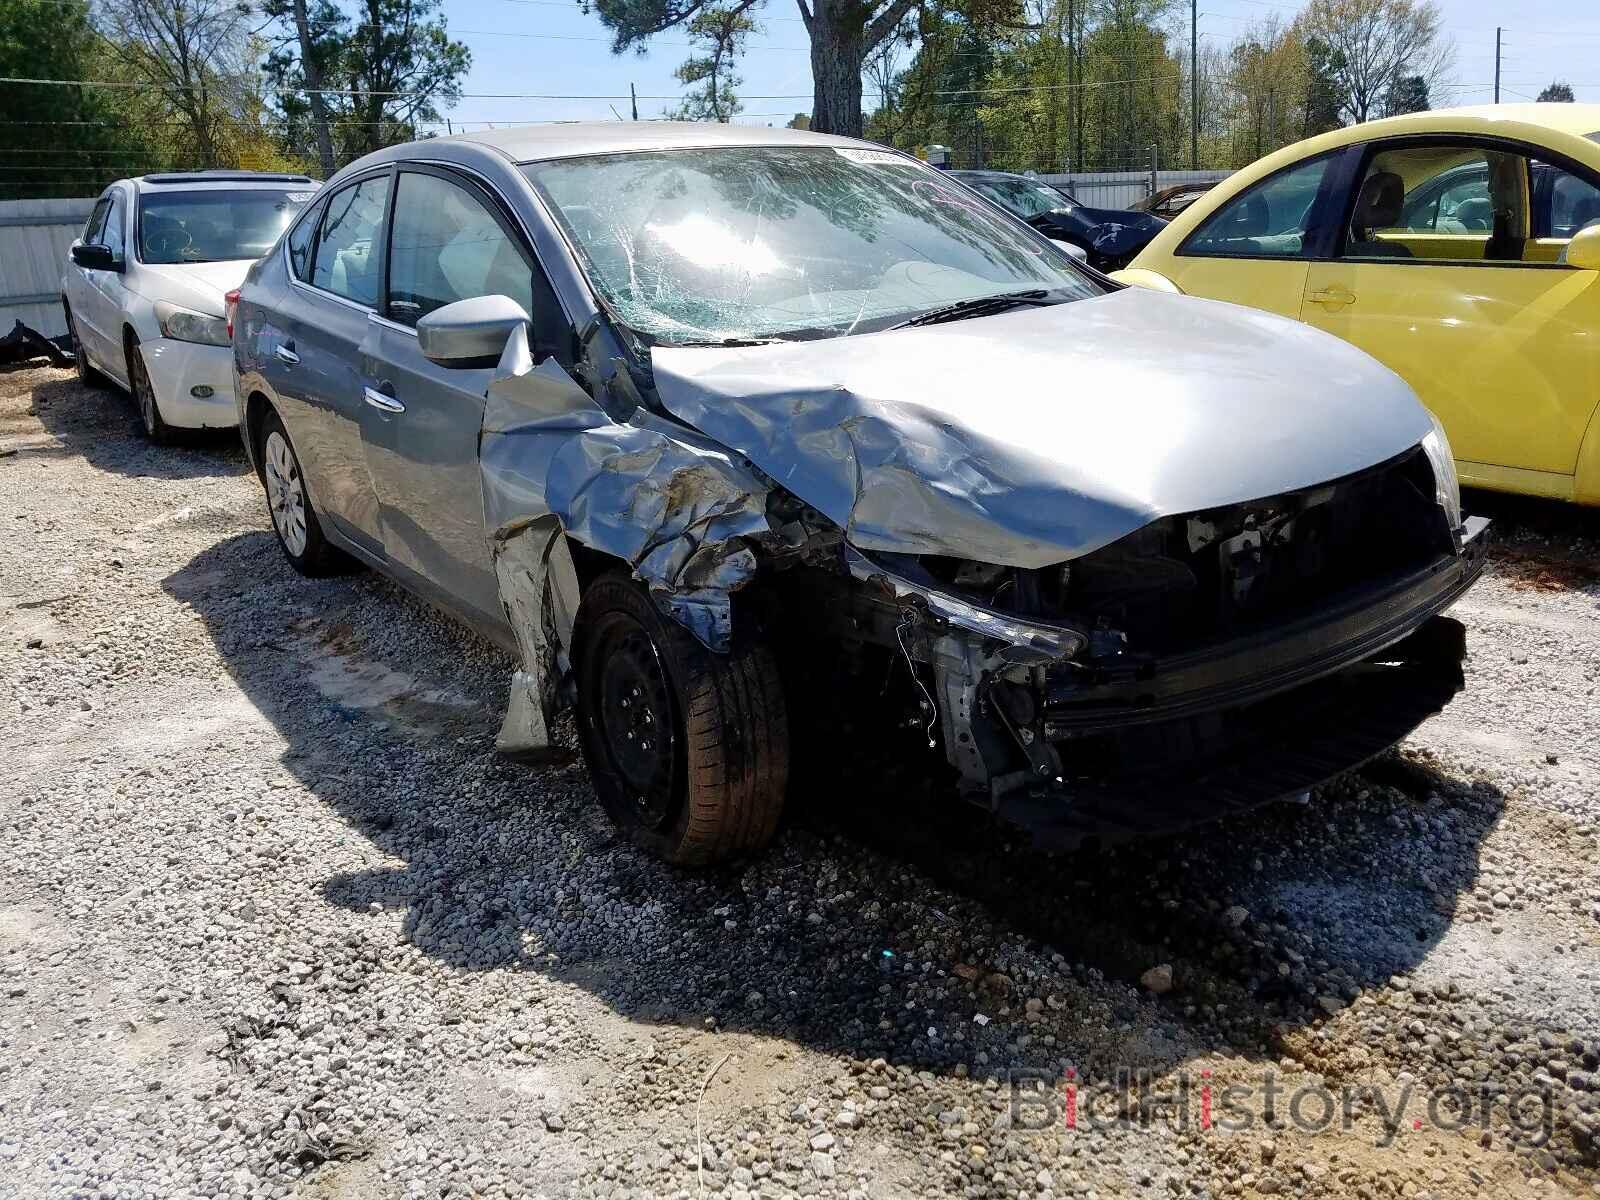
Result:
633,94
1194,85
1497,64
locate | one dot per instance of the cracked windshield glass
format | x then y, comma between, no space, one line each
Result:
747,243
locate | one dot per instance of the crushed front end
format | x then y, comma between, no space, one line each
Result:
1208,662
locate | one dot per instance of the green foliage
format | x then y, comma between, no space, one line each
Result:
1409,94
1557,92
722,30
59,141
384,47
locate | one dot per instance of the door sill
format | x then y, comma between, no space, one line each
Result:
1547,484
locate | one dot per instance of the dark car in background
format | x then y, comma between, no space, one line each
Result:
1110,237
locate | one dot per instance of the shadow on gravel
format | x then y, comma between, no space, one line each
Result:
101,425
1266,920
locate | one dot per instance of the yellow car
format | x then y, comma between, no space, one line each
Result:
1460,247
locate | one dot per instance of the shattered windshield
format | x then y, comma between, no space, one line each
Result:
738,243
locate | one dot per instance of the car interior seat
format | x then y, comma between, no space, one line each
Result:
1378,207
1475,214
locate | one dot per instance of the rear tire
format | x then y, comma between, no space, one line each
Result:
688,750
87,375
144,396
294,521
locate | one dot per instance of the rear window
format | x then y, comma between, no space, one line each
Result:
214,226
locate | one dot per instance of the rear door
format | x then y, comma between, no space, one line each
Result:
315,364
1256,248
1446,272
450,240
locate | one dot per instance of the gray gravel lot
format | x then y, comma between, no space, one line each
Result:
277,921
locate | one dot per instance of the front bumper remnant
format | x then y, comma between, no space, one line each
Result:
1155,744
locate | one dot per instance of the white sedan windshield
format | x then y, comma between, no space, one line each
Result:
709,245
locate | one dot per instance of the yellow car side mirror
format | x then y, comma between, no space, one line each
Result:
1583,251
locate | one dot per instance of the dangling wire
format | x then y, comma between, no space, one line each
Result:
900,631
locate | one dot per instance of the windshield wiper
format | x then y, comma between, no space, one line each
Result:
979,306
731,343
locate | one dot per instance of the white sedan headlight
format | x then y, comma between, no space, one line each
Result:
1447,487
183,325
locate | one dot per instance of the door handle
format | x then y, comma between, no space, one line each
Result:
286,355
1332,295
379,397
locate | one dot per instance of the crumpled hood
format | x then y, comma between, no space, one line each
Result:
1042,434
198,286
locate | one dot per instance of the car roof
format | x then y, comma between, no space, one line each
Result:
193,181
530,143
1527,122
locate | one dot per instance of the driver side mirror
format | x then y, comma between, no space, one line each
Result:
1583,251
470,333
94,257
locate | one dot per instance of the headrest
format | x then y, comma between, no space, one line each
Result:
1382,197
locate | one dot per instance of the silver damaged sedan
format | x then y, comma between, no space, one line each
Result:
763,448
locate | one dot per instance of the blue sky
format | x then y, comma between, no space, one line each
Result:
551,48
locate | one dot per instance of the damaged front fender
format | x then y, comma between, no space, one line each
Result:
684,514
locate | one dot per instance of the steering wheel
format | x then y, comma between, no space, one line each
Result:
169,242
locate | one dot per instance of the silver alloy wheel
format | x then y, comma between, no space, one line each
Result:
145,393
285,494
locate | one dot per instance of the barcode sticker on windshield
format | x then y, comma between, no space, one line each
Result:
857,154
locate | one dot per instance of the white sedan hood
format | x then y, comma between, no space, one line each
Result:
1042,434
197,286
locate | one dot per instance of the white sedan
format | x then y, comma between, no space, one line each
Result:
145,289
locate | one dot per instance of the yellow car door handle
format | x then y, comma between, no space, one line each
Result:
1333,295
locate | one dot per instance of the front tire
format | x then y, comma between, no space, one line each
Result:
295,522
144,396
688,750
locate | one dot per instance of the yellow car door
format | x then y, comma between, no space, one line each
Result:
1447,273
1253,250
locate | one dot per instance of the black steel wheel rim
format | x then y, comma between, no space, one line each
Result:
637,729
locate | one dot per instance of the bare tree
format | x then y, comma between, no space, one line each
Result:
1373,43
194,51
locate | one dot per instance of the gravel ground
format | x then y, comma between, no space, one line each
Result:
277,921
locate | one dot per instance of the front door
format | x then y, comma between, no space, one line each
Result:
103,291
1441,275
1254,250
449,242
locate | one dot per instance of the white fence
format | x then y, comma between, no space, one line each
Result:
1119,189
34,236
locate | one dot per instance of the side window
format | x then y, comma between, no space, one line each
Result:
348,259
1270,220
1448,202
300,238
97,221
1573,203
116,218
446,246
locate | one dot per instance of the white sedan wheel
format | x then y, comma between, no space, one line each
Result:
286,494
